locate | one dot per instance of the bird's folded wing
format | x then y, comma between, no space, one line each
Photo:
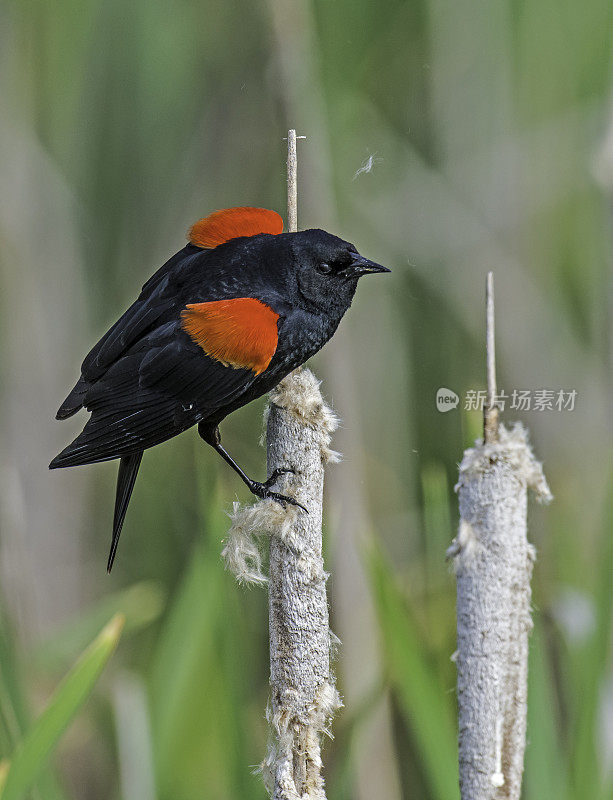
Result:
163,386
155,304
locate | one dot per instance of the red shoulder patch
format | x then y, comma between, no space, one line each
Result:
239,333
221,226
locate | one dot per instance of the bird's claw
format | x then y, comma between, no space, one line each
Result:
276,474
263,491
283,499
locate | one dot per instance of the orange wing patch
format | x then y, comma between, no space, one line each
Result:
221,226
239,333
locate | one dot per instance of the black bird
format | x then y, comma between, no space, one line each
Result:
221,323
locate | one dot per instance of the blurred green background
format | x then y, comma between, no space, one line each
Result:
490,127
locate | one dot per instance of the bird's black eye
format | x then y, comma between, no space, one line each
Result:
324,268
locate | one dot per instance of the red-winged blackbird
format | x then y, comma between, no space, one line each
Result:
221,323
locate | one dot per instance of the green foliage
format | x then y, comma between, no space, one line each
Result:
14,713
424,701
32,752
202,678
139,605
124,122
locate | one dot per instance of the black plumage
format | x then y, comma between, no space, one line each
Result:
148,379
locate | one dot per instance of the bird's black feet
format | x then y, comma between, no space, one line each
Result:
263,490
276,474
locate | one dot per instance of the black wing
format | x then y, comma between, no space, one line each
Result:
158,298
163,385
156,303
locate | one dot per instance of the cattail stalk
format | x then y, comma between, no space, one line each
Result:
303,695
493,563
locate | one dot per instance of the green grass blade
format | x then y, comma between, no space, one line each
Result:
140,604
592,665
208,725
423,701
546,765
14,712
13,707
31,754
200,690
437,525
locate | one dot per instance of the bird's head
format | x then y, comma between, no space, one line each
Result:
328,268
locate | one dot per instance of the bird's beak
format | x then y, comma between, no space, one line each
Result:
362,266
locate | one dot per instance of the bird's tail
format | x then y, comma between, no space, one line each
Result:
126,478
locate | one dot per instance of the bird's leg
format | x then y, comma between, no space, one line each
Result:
212,436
